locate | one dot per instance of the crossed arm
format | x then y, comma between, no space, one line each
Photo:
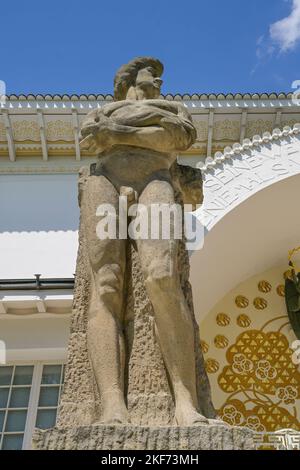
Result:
170,133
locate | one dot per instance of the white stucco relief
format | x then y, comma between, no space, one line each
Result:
251,196
243,170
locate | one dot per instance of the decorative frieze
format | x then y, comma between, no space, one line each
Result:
219,120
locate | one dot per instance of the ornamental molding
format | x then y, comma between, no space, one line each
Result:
169,96
47,126
240,171
195,101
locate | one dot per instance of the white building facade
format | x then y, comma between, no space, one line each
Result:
250,220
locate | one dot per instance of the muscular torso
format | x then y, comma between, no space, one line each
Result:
134,165
126,165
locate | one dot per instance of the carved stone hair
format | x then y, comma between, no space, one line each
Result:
127,73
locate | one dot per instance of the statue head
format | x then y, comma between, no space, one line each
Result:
139,79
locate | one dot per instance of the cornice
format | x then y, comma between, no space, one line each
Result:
237,148
195,102
168,96
46,126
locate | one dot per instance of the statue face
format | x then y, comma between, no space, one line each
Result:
147,84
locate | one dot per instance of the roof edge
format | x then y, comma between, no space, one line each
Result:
168,96
237,148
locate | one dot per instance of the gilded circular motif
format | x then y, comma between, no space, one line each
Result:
221,341
223,319
204,346
243,321
212,366
260,303
241,301
264,286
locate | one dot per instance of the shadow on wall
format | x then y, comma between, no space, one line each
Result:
34,203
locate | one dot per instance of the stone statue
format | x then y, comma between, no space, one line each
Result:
135,375
137,139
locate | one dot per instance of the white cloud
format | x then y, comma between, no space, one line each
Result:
285,33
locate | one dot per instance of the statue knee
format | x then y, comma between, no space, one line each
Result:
110,282
160,280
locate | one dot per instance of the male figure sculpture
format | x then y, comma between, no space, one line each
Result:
137,138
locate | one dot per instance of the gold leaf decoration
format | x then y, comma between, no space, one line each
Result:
243,321
241,301
204,346
264,286
266,352
281,290
211,365
223,319
260,303
221,341
260,369
261,418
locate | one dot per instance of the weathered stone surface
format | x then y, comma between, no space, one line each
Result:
149,397
205,437
134,352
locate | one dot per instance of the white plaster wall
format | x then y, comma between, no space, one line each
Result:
33,338
251,238
39,218
35,332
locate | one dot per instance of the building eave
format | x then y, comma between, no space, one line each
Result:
39,133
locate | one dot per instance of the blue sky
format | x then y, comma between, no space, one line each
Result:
207,46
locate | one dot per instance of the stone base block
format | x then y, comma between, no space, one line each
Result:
205,437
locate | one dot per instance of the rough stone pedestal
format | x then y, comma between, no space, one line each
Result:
205,437
149,395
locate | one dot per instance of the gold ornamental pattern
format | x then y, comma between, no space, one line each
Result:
257,381
241,301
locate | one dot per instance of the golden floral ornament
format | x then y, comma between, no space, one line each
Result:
260,303
232,416
264,371
204,346
241,365
211,365
264,286
223,319
280,290
258,346
241,301
221,341
243,321
261,417
253,422
287,394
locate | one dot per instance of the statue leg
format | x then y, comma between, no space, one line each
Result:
172,316
105,323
